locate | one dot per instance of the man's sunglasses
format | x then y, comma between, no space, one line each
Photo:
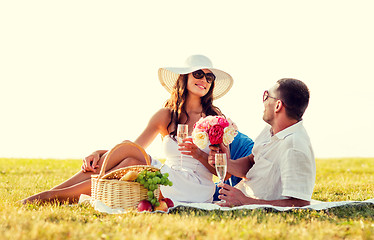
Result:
199,74
266,96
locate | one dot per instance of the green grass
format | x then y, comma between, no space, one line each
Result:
337,180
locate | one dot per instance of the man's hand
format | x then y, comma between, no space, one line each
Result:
235,197
232,196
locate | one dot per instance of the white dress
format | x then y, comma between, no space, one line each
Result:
194,185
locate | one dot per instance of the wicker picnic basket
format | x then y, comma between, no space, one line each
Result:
116,193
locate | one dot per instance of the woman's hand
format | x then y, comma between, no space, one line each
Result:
189,148
90,163
217,149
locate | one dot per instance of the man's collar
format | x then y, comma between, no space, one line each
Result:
288,131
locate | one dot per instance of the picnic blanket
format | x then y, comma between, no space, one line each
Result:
315,205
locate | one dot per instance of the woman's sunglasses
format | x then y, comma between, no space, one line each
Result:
199,74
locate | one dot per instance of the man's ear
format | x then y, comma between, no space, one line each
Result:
278,106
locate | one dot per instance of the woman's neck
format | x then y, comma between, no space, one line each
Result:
193,105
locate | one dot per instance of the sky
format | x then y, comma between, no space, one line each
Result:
77,76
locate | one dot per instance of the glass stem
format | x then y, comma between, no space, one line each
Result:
181,161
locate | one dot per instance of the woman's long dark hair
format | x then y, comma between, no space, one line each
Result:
177,103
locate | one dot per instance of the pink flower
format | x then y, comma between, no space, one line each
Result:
203,125
216,134
213,120
223,122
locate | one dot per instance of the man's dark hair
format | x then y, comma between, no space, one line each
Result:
295,95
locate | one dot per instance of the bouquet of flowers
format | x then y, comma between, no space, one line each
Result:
213,129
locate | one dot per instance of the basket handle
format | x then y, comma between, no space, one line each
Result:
146,156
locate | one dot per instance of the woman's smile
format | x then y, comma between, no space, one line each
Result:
201,86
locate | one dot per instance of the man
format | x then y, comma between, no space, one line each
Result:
281,169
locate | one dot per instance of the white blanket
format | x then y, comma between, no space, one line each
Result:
315,205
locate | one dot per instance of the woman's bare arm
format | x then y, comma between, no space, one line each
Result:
156,125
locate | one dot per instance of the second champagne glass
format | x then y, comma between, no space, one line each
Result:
221,166
182,133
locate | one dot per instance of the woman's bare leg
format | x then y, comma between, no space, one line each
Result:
79,177
70,194
117,157
75,179
80,183
73,192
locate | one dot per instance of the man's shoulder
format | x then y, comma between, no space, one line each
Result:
264,134
300,136
298,142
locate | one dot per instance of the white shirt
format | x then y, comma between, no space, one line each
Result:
284,165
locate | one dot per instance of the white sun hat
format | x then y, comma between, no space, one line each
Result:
168,76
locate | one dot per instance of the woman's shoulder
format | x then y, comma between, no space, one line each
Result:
162,116
161,120
163,113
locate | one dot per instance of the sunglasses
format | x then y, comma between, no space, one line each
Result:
199,74
266,96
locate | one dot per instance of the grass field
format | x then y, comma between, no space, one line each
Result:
337,180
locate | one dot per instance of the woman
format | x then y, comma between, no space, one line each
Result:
192,89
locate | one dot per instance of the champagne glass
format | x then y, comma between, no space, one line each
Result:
221,166
182,133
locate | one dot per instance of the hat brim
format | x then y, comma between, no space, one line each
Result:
223,83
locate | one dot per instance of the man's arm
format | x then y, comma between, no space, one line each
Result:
238,167
234,197
241,166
